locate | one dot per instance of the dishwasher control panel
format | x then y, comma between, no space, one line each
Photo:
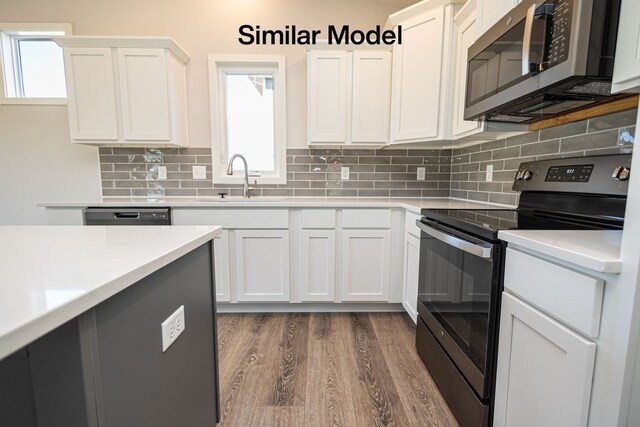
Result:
127,216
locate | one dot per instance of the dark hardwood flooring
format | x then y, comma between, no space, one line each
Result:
325,369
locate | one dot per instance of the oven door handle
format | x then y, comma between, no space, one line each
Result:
526,41
481,251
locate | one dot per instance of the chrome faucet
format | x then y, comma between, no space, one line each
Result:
247,189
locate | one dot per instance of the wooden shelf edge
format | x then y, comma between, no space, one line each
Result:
620,104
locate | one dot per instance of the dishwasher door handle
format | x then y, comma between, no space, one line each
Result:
482,251
127,215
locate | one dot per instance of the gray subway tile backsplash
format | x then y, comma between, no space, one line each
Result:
310,172
602,135
459,173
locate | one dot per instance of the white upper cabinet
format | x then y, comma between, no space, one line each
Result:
465,33
329,80
371,90
126,91
626,72
348,97
490,12
144,94
422,71
91,94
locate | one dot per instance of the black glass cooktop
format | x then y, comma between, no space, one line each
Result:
486,223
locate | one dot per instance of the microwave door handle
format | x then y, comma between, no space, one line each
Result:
468,247
526,41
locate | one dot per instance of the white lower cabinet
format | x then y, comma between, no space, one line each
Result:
544,370
317,265
221,264
410,277
365,265
262,265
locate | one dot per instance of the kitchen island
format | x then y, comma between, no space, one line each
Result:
81,310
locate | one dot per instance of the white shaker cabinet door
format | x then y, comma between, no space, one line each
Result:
411,267
144,92
626,71
91,93
317,265
262,265
465,33
329,83
371,97
222,268
416,79
544,370
365,265
491,11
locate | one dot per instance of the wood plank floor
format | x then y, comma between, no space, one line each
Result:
325,369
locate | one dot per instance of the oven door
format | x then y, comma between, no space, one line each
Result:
458,298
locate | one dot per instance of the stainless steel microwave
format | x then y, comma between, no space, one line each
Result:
542,59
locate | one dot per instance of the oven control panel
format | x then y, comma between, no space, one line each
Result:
592,175
571,173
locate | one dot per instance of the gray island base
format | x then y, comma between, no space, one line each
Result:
106,367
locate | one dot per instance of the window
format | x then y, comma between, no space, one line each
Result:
247,96
32,64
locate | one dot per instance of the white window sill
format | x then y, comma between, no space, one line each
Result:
33,101
239,179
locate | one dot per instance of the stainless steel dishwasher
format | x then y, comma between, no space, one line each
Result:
127,216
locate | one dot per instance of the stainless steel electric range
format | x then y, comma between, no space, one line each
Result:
462,268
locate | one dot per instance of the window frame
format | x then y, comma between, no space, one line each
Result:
237,64
9,63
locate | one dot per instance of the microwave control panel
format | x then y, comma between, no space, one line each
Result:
559,46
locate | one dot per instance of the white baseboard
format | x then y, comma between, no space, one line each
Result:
223,307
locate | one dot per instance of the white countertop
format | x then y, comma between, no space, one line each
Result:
51,274
412,205
597,250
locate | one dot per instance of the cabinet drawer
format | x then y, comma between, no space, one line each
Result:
569,296
233,218
318,218
366,218
410,224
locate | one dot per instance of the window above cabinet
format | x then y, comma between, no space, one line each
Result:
31,64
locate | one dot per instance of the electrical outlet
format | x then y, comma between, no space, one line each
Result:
489,174
344,173
421,175
172,328
199,172
162,172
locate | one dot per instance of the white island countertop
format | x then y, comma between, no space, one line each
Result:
51,274
412,205
597,250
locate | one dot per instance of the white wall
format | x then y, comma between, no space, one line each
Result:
37,163
38,136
